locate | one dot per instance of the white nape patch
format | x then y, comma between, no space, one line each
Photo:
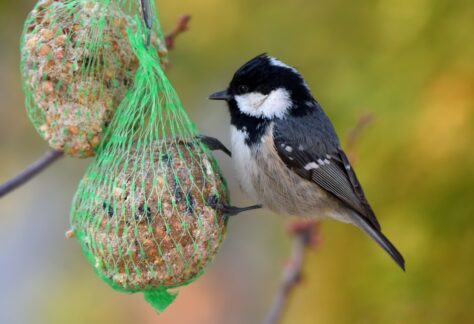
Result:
348,167
300,147
311,166
289,149
274,104
275,62
309,103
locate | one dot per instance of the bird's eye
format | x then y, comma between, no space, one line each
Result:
243,88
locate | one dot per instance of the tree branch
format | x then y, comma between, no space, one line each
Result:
354,134
36,167
306,235
182,25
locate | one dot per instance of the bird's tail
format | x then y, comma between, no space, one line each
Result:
381,240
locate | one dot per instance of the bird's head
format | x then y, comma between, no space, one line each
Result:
264,88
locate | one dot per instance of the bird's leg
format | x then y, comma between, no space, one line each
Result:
230,210
214,144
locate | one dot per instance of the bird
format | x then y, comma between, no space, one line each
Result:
286,152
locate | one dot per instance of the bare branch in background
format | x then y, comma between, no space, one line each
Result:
354,134
305,235
182,25
36,167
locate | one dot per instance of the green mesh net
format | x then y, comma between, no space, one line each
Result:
144,211
77,65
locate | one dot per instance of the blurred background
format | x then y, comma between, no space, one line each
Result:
410,63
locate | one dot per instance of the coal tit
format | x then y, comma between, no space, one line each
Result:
286,152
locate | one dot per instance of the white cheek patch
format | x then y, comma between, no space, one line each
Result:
250,102
274,104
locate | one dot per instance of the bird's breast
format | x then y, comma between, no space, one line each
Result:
263,176
243,160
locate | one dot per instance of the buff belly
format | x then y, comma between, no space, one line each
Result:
264,177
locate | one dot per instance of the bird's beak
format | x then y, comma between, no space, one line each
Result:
220,95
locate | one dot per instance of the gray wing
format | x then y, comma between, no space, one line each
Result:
309,146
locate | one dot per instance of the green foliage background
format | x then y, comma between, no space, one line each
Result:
408,62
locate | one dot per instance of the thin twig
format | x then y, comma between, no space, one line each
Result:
354,134
36,167
306,234
181,26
